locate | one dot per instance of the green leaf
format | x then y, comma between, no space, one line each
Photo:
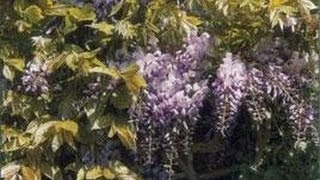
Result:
33,14
134,81
85,62
22,25
14,140
103,70
107,173
125,134
307,4
69,25
50,129
85,13
57,142
8,72
94,173
126,29
122,172
58,10
81,174
16,63
67,125
65,107
10,170
115,9
112,130
103,27
121,99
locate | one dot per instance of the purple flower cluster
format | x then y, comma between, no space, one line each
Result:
170,107
35,77
255,99
235,85
228,90
300,113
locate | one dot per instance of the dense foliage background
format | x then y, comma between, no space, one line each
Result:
159,89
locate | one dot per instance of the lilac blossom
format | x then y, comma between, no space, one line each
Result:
254,87
229,91
170,106
255,100
35,77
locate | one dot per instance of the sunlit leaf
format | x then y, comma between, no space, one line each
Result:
125,134
22,25
103,70
33,13
126,29
307,4
8,72
116,8
14,140
16,171
16,63
103,27
81,174
94,173
108,174
133,79
57,142
10,170
69,126
85,13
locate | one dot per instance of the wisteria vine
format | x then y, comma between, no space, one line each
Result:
166,116
254,87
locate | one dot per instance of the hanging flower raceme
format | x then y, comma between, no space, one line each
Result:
255,99
35,77
170,106
229,91
236,85
300,114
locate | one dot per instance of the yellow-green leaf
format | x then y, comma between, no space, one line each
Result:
14,140
107,173
103,27
68,125
17,63
85,13
126,29
276,3
134,81
22,25
8,72
103,70
307,4
58,10
56,142
126,135
33,13
94,173
41,134
112,130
